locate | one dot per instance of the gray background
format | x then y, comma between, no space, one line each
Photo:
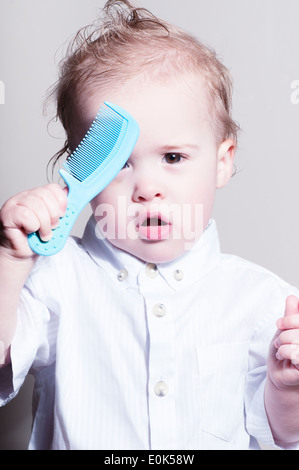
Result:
258,40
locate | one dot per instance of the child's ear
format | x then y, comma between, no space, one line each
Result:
225,161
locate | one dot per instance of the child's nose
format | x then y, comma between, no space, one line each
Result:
147,189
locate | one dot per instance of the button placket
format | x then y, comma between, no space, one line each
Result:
161,380
161,356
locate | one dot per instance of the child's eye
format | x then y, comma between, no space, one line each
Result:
173,158
126,165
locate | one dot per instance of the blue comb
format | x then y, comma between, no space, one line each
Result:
91,167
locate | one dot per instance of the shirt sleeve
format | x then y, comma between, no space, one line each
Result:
31,346
257,423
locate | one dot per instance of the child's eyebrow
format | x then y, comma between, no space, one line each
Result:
171,148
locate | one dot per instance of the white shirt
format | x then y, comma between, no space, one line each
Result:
129,355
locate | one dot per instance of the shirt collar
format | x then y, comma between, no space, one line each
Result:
124,268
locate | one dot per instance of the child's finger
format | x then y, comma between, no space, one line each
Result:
290,336
288,352
60,194
292,305
54,201
36,208
24,218
48,203
291,314
287,323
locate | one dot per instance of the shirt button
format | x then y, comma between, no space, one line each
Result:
159,310
122,275
178,274
161,389
151,270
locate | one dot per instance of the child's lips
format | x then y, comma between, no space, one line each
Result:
153,227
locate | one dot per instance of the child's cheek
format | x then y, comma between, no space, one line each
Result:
110,209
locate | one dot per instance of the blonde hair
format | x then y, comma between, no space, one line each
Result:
127,40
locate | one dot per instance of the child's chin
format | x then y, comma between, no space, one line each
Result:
159,252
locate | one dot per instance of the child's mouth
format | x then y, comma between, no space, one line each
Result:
154,227
153,222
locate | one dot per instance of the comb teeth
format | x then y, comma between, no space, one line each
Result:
99,145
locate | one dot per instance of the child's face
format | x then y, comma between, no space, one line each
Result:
161,201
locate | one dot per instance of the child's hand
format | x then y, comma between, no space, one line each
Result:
27,212
283,364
